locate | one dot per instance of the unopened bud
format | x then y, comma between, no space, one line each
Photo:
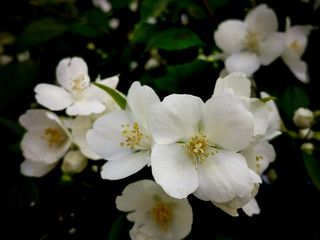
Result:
74,162
303,118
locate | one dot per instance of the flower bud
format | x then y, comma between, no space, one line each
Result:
308,147
306,133
303,118
74,162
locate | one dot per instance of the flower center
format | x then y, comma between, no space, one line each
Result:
78,86
134,137
251,42
258,164
162,215
295,47
199,148
53,136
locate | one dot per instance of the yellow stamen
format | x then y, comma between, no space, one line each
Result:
133,135
53,136
251,42
162,215
198,148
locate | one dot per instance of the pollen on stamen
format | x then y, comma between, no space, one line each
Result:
52,136
133,135
162,215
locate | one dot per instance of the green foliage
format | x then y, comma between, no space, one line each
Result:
313,168
42,30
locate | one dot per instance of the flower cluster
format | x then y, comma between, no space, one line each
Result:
256,42
216,150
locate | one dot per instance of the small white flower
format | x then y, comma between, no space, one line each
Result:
45,142
196,147
75,94
104,5
123,137
303,118
296,43
155,214
252,42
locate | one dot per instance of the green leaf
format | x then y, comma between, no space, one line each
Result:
143,32
313,168
175,39
292,98
12,125
216,4
117,228
153,8
42,30
97,24
117,97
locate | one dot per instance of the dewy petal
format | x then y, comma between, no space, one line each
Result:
261,20
296,65
173,170
271,48
246,62
69,69
105,136
227,123
223,176
176,118
139,101
237,81
126,166
30,168
230,35
53,97
85,107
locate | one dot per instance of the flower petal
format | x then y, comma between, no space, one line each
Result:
126,166
85,107
227,123
271,48
229,35
30,168
105,136
37,149
296,65
53,97
223,176
139,101
237,81
176,118
246,62
80,126
261,20
173,170
69,69
251,208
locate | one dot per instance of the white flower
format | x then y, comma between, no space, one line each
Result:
75,94
296,42
196,147
303,118
74,162
252,42
123,137
155,214
45,142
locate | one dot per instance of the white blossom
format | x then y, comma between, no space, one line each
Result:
45,142
252,42
76,94
123,137
155,214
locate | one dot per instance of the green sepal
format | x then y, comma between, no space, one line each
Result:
267,99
